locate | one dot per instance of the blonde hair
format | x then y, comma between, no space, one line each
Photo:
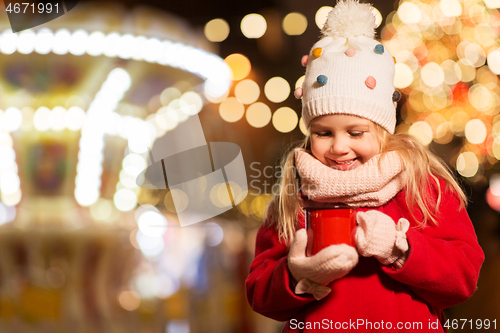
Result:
419,162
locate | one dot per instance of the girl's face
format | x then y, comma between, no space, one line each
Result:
343,142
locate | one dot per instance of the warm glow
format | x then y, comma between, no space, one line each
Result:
467,164
253,26
231,110
285,119
239,64
422,131
432,74
300,81
129,300
258,115
494,61
321,15
450,8
294,24
452,72
409,13
277,89
378,17
302,126
475,131
403,76
216,30
247,91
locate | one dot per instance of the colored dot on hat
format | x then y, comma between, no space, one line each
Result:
298,92
317,52
396,96
322,79
371,82
350,52
379,49
304,60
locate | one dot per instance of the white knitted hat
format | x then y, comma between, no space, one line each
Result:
348,71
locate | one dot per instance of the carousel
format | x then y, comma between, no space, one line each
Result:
83,247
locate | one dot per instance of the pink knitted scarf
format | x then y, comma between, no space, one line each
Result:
370,185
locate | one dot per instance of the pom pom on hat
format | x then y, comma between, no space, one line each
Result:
348,71
349,18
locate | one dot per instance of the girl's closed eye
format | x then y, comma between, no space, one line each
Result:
356,134
323,134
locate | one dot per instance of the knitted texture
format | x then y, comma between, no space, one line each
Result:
370,185
349,72
378,236
331,263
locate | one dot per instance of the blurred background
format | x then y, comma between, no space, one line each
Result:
84,249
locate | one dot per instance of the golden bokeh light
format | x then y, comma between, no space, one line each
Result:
450,8
129,300
494,61
409,13
468,72
176,201
247,91
475,131
432,74
239,64
496,148
258,115
458,122
480,97
321,15
403,76
452,72
253,26
378,17
302,126
492,4
300,81
467,164
294,24
216,30
422,131
285,119
231,110
277,89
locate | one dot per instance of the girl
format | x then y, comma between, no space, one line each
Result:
416,250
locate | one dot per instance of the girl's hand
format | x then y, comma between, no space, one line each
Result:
377,235
312,273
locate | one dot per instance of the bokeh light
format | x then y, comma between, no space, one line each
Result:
253,26
277,89
403,76
422,131
285,119
467,164
247,91
294,24
321,15
216,30
409,13
475,131
258,115
231,110
239,64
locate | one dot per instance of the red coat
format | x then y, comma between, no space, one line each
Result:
442,270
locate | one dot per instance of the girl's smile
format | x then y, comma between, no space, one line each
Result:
343,142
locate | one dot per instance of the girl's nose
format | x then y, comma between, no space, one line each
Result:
339,147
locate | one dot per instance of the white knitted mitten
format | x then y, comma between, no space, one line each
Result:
377,235
312,273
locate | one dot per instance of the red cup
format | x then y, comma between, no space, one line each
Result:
329,225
